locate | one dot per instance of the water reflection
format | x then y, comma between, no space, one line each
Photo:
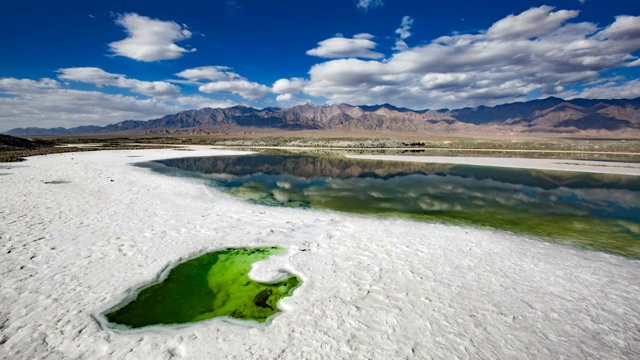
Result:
593,210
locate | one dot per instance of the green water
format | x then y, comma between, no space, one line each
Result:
212,285
593,211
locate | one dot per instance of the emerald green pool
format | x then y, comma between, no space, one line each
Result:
594,211
212,285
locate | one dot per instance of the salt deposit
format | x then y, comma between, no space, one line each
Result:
604,167
371,288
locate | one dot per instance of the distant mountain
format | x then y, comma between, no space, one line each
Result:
551,115
35,131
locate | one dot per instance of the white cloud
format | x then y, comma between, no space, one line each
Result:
46,103
520,56
284,97
284,86
43,104
13,84
99,77
223,78
404,32
289,100
246,89
150,39
362,36
368,4
405,26
531,23
625,28
199,102
213,73
611,90
634,63
338,47
582,1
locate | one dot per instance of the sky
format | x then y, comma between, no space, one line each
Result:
71,63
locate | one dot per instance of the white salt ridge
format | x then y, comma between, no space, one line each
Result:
372,288
603,167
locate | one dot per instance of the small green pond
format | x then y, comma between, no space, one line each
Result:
594,211
212,285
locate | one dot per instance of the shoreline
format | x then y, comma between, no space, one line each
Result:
426,149
600,167
588,166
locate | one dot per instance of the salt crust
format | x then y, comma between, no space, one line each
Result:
602,167
372,288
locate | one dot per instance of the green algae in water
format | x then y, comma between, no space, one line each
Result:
212,285
593,211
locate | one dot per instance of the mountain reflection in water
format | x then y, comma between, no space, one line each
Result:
597,211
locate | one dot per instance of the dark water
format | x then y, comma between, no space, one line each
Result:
595,211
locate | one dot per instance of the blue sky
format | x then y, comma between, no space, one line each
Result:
70,63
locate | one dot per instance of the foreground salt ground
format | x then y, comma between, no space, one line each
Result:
372,288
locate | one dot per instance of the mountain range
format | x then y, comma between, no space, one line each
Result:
550,115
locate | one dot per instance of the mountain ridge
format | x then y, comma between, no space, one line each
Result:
551,115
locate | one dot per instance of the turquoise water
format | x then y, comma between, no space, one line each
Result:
594,211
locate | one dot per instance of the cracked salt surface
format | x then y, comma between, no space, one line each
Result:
371,288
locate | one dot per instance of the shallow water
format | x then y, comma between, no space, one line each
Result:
212,285
594,211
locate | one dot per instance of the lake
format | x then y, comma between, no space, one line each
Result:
593,211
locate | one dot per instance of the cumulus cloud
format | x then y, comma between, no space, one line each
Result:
284,97
223,78
246,89
289,100
368,4
26,102
213,73
47,103
150,39
536,51
611,90
284,86
13,84
531,23
625,28
360,46
99,77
